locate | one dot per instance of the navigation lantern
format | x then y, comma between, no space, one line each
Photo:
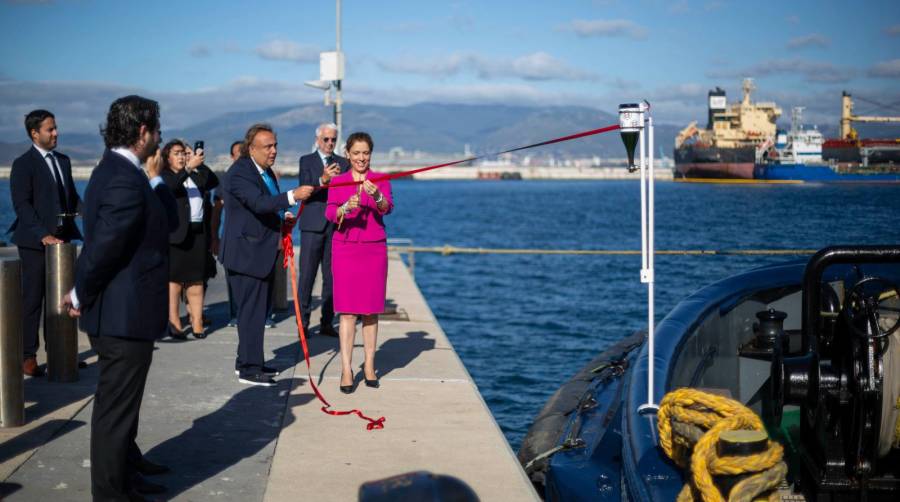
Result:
631,121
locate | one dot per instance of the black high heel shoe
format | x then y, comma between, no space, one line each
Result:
372,383
199,336
347,389
176,333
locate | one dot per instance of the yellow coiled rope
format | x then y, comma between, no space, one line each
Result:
690,423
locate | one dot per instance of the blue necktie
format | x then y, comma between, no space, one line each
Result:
270,184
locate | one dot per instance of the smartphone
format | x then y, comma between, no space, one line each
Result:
198,145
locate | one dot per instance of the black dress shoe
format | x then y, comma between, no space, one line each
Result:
141,485
257,379
326,329
372,383
148,468
200,336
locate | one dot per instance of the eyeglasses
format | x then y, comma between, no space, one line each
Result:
329,140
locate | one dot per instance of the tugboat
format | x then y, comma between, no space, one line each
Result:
726,149
811,347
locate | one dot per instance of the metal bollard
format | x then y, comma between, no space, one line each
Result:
60,330
12,388
279,291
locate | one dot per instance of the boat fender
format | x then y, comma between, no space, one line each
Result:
545,436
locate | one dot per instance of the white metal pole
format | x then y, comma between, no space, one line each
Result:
651,251
641,137
338,101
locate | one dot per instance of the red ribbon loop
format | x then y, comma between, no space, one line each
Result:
287,245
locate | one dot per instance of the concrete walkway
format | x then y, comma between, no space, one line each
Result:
227,441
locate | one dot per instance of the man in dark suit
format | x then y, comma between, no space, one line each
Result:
317,169
44,198
121,288
249,248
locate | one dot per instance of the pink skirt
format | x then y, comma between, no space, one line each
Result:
359,270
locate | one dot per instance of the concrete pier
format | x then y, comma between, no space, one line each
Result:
228,441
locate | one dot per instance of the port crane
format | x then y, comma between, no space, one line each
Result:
847,118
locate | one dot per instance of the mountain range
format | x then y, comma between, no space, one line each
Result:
435,128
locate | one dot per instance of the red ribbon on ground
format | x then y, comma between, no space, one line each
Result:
287,244
469,159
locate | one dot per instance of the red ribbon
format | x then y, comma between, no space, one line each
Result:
287,244
469,159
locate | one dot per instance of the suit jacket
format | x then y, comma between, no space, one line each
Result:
365,223
35,199
252,233
312,219
205,180
122,273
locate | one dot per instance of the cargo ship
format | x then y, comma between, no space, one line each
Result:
727,147
804,155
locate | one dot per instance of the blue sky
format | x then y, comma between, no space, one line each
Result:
204,58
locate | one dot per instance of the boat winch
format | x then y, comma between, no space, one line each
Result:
845,379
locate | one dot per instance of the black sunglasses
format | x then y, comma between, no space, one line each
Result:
329,140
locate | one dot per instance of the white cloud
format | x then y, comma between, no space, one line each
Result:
606,28
810,71
285,50
435,67
80,107
886,69
534,66
811,40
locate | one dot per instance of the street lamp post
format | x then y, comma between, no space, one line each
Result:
331,74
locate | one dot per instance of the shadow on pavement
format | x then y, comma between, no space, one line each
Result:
35,438
399,352
246,424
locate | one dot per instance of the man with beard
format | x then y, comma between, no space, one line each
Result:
121,287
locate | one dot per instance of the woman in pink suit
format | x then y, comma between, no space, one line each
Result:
359,254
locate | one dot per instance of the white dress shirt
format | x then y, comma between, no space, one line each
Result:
44,154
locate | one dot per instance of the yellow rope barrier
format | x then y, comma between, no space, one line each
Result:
686,409
447,250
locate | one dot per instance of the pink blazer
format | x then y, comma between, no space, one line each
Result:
365,223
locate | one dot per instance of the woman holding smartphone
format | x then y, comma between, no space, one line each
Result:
188,244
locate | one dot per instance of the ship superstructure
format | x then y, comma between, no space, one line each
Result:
726,148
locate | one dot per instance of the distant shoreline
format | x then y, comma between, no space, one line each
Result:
490,172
